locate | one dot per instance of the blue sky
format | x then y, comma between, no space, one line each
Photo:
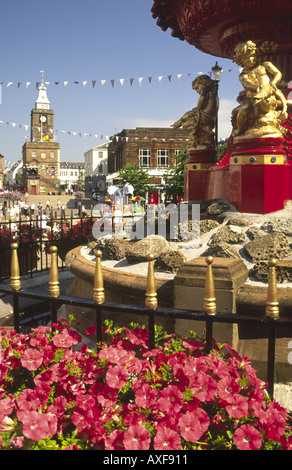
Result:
94,40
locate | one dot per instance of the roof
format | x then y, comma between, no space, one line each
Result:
72,165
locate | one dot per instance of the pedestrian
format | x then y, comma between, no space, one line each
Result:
58,205
63,210
48,204
84,213
32,208
40,206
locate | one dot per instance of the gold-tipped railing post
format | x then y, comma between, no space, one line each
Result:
15,282
151,299
151,295
54,288
98,289
272,314
209,306
98,294
209,299
272,304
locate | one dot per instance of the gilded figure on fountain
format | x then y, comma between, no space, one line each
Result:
201,120
262,105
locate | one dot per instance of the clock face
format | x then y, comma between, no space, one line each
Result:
43,118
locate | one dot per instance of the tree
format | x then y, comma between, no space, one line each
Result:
174,179
135,176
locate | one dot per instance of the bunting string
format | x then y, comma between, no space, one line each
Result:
53,138
111,82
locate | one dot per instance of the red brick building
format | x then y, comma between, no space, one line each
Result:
153,149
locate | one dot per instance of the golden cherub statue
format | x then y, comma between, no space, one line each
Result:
263,106
200,121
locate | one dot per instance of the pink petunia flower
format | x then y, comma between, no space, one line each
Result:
273,421
247,437
136,438
117,377
171,399
193,425
32,359
115,355
105,395
238,407
146,396
114,441
63,340
37,426
227,387
166,439
205,388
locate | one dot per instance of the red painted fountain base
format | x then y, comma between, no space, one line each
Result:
255,177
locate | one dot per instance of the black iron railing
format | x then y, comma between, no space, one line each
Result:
65,229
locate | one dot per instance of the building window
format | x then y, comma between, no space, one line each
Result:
144,158
162,158
100,154
100,168
43,155
52,154
33,154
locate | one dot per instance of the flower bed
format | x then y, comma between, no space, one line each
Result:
126,397
28,240
68,238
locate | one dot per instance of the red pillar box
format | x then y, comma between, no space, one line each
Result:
259,184
196,174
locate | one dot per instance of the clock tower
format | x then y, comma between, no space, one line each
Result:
41,156
42,117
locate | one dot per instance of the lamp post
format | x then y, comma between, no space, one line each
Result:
216,76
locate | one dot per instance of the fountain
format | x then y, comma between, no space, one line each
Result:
255,174
253,177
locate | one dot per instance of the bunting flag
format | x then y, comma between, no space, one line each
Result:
113,82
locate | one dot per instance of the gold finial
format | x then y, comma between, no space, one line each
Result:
151,295
209,299
15,277
54,289
272,304
98,289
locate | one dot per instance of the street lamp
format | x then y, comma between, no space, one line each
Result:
216,76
